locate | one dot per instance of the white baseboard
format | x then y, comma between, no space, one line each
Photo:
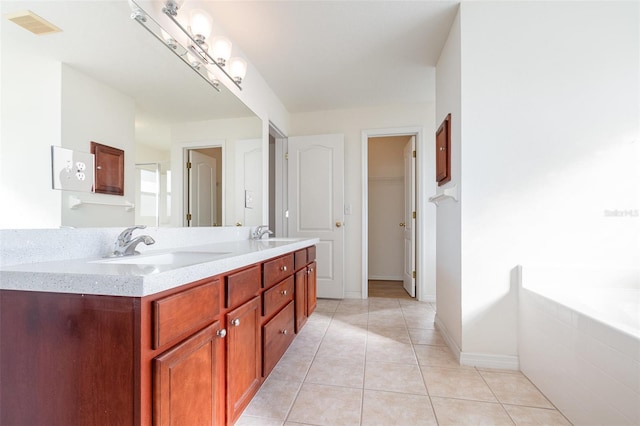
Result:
352,295
430,298
503,362
385,278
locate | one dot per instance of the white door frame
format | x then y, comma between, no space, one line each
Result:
424,241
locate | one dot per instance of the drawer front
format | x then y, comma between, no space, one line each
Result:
277,335
242,286
311,253
185,312
277,270
277,296
300,258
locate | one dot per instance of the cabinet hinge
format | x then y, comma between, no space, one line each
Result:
286,155
414,215
188,216
414,153
414,275
188,164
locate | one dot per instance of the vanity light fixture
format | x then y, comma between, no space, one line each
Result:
194,51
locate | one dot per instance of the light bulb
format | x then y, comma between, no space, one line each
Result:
200,24
171,42
237,69
193,61
221,50
171,6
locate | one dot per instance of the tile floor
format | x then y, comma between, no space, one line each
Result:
381,362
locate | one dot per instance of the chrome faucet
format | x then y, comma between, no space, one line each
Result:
125,246
260,231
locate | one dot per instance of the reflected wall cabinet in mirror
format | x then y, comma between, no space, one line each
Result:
109,163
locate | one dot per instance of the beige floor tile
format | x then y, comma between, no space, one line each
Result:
273,400
387,320
456,383
515,389
327,405
436,356
383,303
291,367
529,416
460,412
420,320
420,336
336,372
245,420
385,333
353,306
342,349
326,305
390,408
390,351
386,376
353,318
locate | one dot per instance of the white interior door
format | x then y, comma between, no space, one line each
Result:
409,280
248,193
316,204
202,189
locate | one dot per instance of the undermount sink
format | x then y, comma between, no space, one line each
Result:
177,258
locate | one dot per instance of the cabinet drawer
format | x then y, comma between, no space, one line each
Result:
311,253
185,312
277,296
277,335
277,269
300,258
242,286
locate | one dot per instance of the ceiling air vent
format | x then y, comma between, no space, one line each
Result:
32,22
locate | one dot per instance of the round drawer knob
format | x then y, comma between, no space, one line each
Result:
283,268
222,333
284,332
284,292
235,322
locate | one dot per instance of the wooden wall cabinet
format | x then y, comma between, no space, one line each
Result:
109,169
443,152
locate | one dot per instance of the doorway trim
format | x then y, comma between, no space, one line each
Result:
424,280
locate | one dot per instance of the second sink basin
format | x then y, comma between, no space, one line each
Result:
177,258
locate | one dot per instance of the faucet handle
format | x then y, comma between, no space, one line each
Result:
126,234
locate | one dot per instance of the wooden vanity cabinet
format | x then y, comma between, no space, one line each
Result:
305,284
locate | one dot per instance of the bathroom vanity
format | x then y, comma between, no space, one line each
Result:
150,342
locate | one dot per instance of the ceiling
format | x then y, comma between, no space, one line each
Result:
315,55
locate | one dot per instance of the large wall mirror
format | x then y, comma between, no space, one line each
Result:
103,78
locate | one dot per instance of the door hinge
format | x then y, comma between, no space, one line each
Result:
414,153
188,216
414,275
188,164
414,215
286,155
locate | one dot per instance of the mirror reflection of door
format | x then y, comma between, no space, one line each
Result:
203,182
248,167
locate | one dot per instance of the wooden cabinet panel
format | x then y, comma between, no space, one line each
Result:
242,286
67,359
184,386
244,356
311,288
277,269
277,296
277,335
183,313
300,259
301,299
109,173
311,253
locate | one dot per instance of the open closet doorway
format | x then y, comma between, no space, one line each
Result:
278,177
203,195
391,230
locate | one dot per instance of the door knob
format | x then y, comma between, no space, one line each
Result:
338,224
402,224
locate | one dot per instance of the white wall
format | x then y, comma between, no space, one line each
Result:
92,111
30,124
550,97
448,219
351,123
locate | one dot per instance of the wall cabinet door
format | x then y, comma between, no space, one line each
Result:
185,381
244,357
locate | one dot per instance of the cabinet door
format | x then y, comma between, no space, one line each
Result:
301,299
243,356
185,383
311,288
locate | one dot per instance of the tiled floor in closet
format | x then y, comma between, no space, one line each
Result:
381,362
